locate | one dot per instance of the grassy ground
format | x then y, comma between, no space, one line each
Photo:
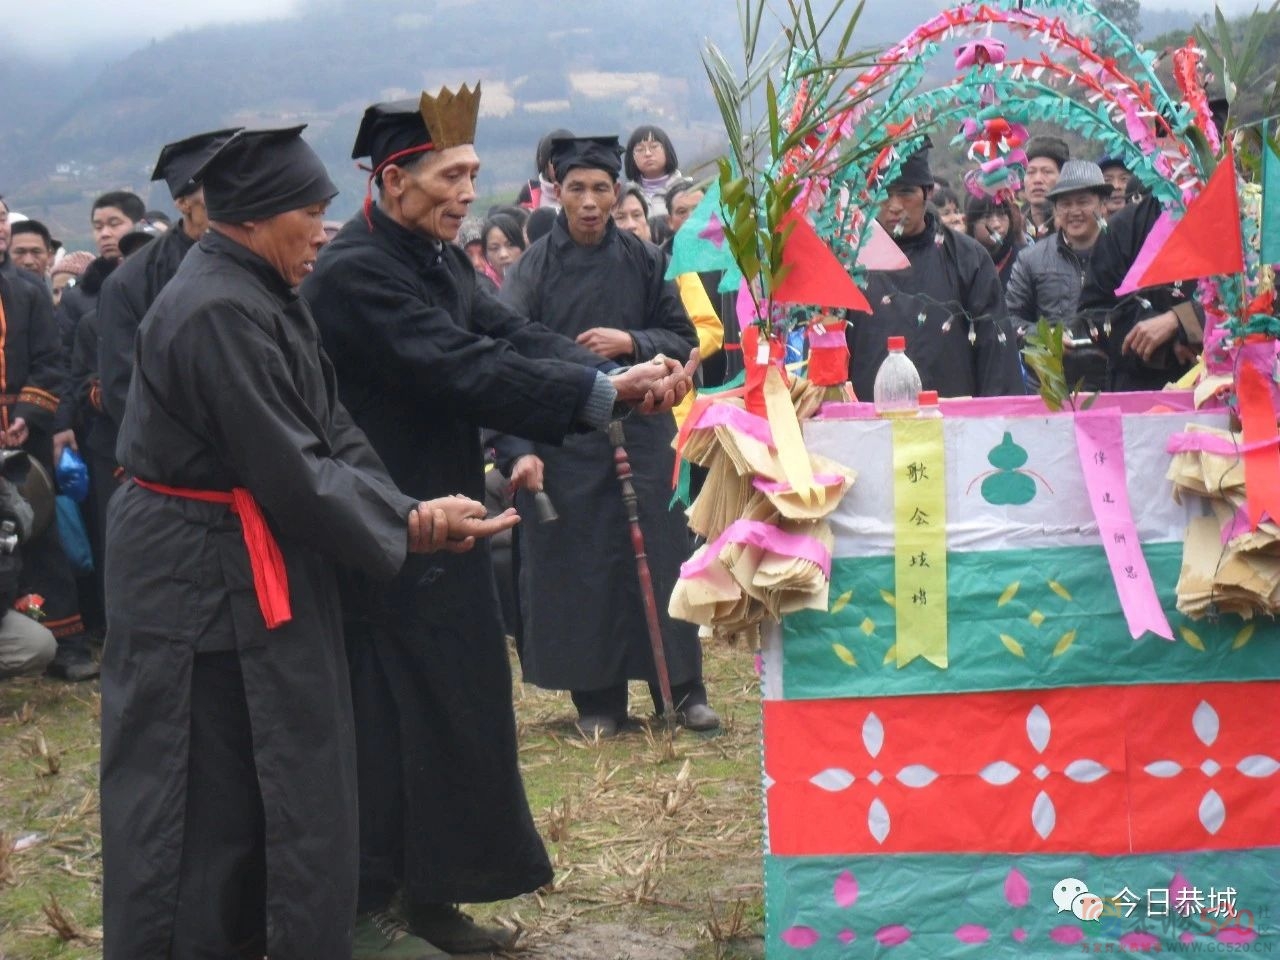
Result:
655,840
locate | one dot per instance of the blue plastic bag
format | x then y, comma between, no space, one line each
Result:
74,536
72,475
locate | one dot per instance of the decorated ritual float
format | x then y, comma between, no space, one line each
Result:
1020,667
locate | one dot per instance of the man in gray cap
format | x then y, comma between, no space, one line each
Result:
228,757
948,304
1047,277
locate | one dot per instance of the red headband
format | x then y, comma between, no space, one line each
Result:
377,171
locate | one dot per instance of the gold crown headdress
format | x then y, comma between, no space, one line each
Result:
451,117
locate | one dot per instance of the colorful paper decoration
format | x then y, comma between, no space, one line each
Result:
699,245
1270,203
1214,213
929,813
816,277
1105,770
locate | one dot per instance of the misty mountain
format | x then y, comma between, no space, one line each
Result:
75,129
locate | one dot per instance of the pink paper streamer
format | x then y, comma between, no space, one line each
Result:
1211,443
1160,231
1238,526
753,533
1100,444
1177,401
771,486
728,415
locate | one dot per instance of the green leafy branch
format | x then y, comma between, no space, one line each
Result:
1244,52
1045,354
757,190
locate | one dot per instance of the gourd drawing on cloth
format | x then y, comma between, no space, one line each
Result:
1008,484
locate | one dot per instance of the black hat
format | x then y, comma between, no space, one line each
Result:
915,171
596,153
390,128
1112,162
260,173
179,161
1051,148
138,237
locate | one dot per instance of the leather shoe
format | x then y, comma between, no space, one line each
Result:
444,925
698,716
594,726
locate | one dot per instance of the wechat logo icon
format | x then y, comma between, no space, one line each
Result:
1073,895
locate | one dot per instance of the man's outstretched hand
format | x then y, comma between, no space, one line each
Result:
453,524
656,385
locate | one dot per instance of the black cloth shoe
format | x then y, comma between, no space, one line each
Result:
73,661
698,716
444,925
592,727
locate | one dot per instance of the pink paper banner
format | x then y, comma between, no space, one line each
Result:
729,415
1100,445
1214,444
1153,401
753,533
771,486
827,338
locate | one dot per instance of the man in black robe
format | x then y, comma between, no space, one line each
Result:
228,760
948,304
129,292
102,358
424,358
583,618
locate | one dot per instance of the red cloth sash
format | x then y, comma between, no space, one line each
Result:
270,582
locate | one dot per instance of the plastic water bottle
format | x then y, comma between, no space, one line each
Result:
897,387
929,409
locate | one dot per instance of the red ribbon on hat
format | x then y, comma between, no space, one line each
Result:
374,172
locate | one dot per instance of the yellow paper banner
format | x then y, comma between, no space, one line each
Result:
788,441
920,540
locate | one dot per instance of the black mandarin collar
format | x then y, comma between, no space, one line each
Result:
419,248
222,245
562,239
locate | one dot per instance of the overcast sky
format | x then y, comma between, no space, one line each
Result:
125,25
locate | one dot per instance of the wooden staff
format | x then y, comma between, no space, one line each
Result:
622,465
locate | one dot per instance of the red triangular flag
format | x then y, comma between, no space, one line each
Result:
817,278
1206,241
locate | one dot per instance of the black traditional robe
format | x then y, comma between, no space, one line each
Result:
125,297
232,389
1114,253
950,290
583,620
424,358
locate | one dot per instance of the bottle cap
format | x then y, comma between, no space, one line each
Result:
928,398
897,343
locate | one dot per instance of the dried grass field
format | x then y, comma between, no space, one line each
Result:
655,839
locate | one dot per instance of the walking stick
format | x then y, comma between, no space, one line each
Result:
622,465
